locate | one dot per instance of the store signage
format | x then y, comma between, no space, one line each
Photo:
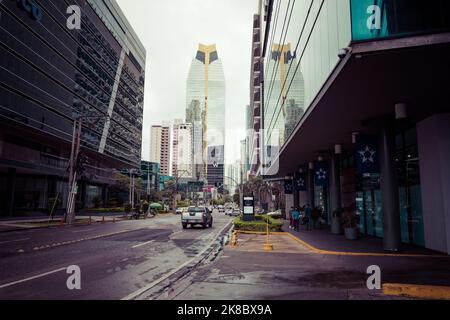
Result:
369,19
32,8
249,208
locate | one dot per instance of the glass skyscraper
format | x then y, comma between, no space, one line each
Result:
50,74
205,101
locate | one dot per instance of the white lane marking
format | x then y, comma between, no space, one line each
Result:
77,231
154,283
18,240
31,278
142,244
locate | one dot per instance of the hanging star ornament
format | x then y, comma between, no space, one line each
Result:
301,182
321,174
367,155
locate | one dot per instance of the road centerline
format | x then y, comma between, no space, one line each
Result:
31,278
143,244
17,240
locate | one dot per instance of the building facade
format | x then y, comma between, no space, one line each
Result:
373,137
183,162
50,75
254,127
206,98
160,147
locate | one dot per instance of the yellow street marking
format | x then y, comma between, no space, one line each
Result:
339,253
417,291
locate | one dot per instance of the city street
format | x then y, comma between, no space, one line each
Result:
116,259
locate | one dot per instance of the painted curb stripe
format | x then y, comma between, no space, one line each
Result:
339,253
417,291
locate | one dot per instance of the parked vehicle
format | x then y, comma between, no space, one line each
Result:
229,212
179,211
197,216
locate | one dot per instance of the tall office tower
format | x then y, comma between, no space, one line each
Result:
194,117
50,75
282,115
254,114
182,164
206,85
160,147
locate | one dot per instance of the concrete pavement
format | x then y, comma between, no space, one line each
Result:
294,272
116,259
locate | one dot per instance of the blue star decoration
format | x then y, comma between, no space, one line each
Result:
321,174
301,182
367,155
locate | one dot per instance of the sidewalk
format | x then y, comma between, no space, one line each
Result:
10,224
323,239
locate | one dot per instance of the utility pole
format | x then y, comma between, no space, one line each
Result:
73,188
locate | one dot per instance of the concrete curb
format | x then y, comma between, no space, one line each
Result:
339,253
417,291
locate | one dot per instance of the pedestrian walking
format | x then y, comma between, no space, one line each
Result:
308,217
291,220
296,218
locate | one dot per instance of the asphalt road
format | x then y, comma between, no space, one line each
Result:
117,260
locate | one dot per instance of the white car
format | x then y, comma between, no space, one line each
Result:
179,211
229,212
197,216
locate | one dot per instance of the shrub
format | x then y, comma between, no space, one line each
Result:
128,207
259,225
97,201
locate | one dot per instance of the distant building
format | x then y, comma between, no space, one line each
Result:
182,152
150,173
160,147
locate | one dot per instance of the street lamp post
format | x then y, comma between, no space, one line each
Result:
241,190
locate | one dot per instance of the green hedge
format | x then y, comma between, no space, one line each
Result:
259,225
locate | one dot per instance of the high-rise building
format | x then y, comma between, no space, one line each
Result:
206,98
51,75
160,147
194,117
182,164
254,125
372,78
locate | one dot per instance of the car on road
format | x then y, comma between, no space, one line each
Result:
197,216
179,211
235,213
229,212
221,208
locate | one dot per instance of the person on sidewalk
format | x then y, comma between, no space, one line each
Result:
291,220
308,217
296,218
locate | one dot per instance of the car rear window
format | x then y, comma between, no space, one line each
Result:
196,209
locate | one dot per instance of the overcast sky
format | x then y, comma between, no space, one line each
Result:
170,31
